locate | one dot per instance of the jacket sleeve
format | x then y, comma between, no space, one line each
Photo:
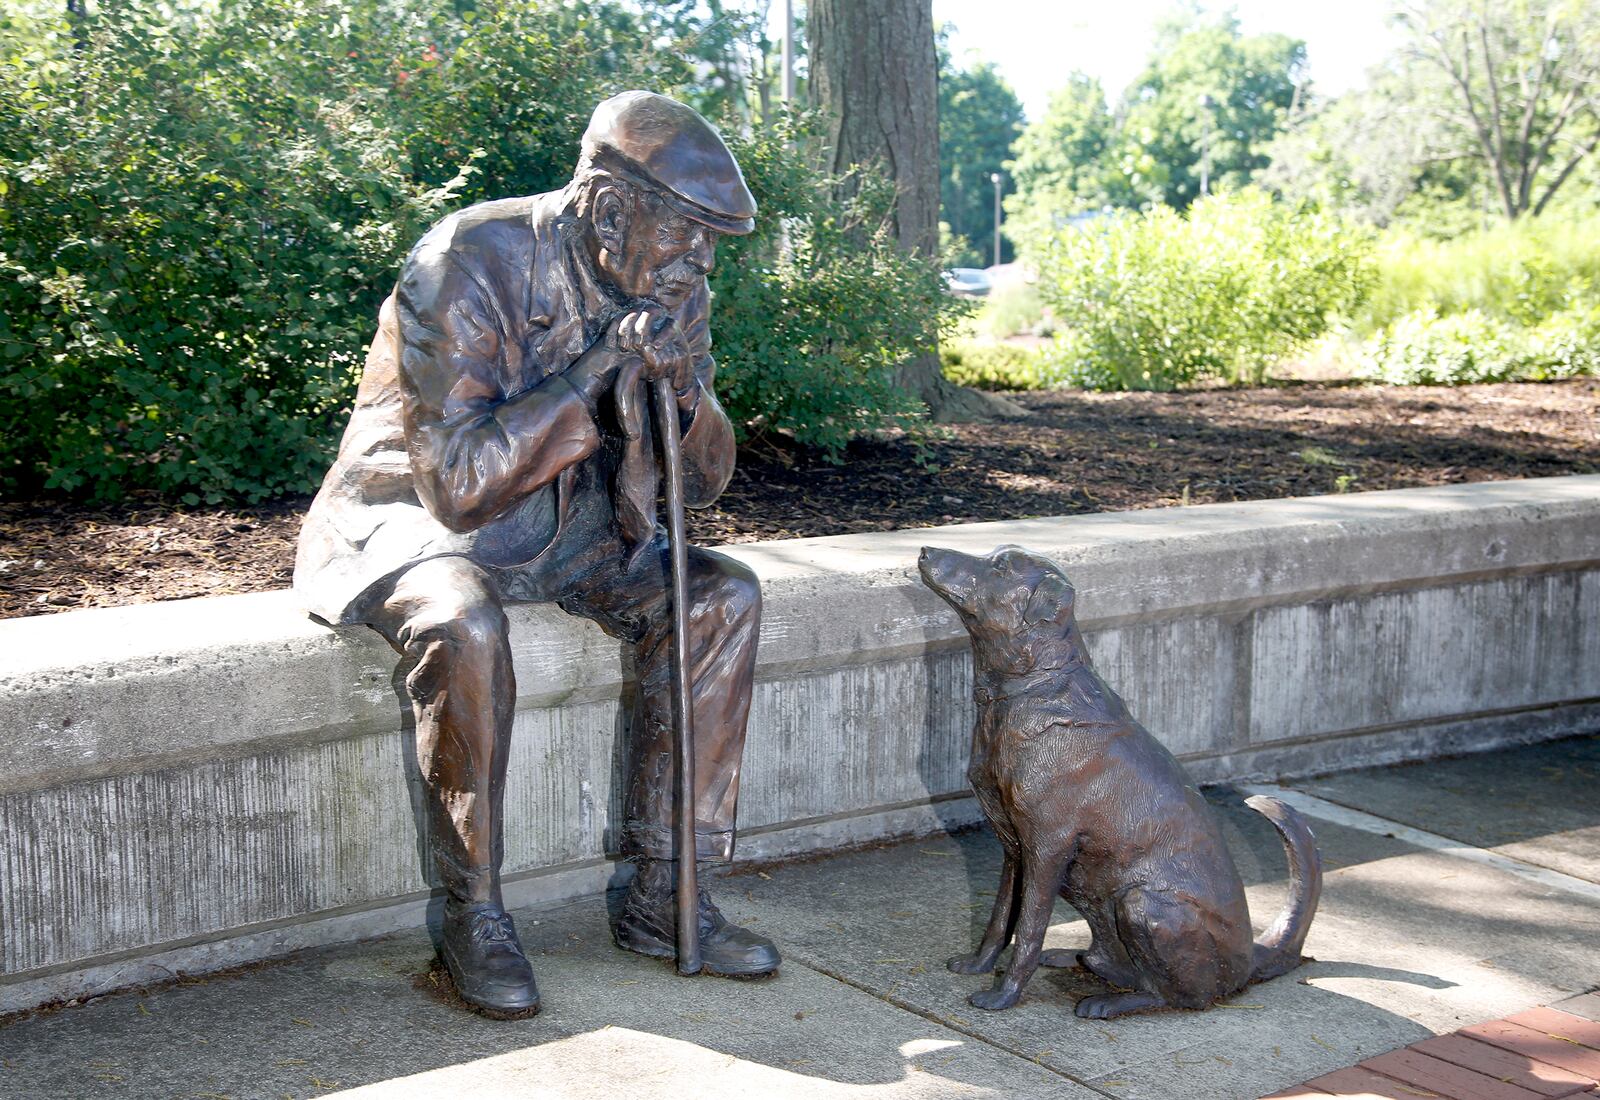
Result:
475,449
708,444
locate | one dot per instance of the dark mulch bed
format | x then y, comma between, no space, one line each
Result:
1077,453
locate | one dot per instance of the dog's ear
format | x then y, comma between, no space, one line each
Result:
1051,601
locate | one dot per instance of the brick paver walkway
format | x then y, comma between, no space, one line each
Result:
1540,1054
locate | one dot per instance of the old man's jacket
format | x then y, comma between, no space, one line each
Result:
465,438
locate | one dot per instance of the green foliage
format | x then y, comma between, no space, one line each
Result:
1367,154
1482,110
1208,92
196,226
1424,348
1513,87
986,365
808,335
979,119
1012,310
1157,300
1514,302
201,210
1062,166
1520,272
1249,82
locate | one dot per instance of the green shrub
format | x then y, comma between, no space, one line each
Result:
197,226
1157,300
1523,271
1567,345
1011,311
808,335
1424,348
202,207
986,365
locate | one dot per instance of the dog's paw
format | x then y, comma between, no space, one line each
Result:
969,964
1098,1007
1058,957
995,1000
1106,1005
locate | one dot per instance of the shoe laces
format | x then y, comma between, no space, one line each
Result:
492,928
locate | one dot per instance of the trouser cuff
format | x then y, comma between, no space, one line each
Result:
642,841
466,883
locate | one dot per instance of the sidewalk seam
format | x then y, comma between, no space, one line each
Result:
1339,814
906,1006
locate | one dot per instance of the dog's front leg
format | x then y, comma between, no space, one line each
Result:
1001,920
1039,885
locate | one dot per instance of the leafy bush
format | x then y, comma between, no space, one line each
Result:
201,209
1012,310
1523,272
1424,348
1567,345
1157,300
197,226
986,365
808,334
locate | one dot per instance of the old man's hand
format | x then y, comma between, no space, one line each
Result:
655,338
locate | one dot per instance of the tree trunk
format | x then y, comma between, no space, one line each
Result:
875,74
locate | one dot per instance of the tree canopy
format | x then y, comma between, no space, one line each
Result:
979,120
1484,109
1208,103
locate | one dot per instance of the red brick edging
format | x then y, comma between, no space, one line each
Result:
1540,1054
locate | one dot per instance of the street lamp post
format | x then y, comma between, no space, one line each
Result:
994,178
786,85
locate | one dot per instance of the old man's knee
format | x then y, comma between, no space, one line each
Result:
733,593
451,615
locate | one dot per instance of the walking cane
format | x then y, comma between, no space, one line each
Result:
682,703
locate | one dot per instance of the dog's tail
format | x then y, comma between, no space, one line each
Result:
1278,949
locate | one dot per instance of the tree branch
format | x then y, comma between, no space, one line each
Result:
1554,131
1525,130
1490,151
1492,79
1556,183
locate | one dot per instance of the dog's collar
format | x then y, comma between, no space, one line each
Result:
1008,686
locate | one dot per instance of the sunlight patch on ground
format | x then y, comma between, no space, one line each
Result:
643,1066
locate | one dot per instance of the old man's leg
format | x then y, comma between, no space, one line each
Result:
445,618
724,621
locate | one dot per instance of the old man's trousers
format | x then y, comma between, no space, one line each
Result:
446,618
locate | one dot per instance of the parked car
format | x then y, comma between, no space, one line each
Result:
970,282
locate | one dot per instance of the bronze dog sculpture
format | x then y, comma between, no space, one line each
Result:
1089,805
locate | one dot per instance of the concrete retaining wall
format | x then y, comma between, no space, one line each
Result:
200,783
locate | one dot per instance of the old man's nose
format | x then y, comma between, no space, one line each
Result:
703,256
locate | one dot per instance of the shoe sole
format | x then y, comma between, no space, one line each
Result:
499,1013
672,957
489,1011
757,976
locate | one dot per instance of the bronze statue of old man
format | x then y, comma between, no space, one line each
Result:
501,449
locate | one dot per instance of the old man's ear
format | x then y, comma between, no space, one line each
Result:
609,213
1051,601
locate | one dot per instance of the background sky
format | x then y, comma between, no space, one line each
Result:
1036,43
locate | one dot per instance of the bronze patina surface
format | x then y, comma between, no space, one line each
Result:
1090,806
502,448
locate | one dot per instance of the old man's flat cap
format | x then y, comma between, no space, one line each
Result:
678,153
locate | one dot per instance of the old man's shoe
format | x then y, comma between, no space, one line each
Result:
649,925
480,950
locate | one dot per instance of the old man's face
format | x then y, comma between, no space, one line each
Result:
664,255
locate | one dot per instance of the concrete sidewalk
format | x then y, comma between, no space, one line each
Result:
1457,891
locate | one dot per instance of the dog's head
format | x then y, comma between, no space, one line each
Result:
1017,605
